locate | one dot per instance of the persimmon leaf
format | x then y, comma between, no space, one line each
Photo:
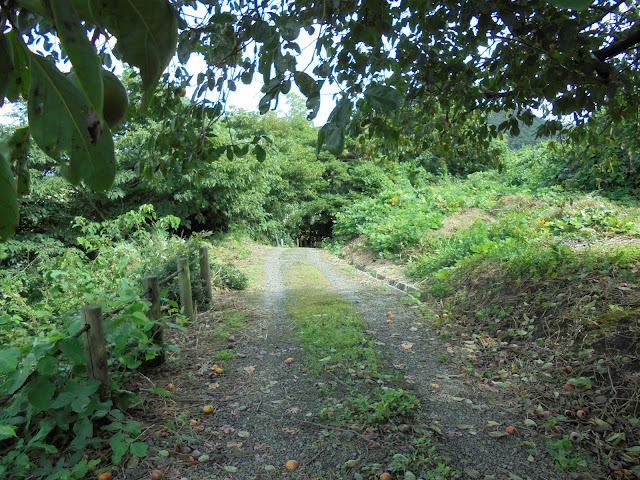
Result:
62,121
85,61
9,207
384,98
6,65
147,33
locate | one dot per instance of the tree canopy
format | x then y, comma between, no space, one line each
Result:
393,62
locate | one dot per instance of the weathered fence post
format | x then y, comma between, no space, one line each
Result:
94,346
184,281
151,287
205,274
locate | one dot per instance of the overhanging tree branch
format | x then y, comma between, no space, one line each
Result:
619,46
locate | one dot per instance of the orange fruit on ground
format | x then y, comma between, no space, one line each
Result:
156,474
105,476
510,430
291,465
207,408
385,476
288,360
217,369
389,314
170,387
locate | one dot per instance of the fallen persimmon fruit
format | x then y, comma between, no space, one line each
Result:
105,476
510,430
288,360
156,474
385,476
207,408
291,465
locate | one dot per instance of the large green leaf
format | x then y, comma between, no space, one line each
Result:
41,394
9,359
73,349
15,149
384,98
81,52
61,120
147,33
9,207
20,80
7,431
6,65
334,138
119,446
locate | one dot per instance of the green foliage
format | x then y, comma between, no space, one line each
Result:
601,156
566,456
391,405
49,406
484,61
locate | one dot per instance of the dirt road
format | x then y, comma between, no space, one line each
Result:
267,411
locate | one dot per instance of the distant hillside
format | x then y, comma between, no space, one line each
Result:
527,133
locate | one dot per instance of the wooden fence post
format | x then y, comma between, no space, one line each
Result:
184,281
151,287
94,346
205,274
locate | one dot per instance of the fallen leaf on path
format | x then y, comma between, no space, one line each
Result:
227,429
407,346
434,385
292,431
233,444
214,385
399,366
244,434
293,409
498,434
373,444
465,427
491,423
250,369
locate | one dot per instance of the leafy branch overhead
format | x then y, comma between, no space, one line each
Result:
446,62
68,118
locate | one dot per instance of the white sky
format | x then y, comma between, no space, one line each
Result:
247,97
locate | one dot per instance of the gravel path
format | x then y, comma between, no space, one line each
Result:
265,408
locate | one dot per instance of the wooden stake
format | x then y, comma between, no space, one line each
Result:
184,281
205,274
94,346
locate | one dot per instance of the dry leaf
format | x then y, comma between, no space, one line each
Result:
233,443
214,385
250,369
227,429
407,346
293,409
292,431
491,423
434,385
498,434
